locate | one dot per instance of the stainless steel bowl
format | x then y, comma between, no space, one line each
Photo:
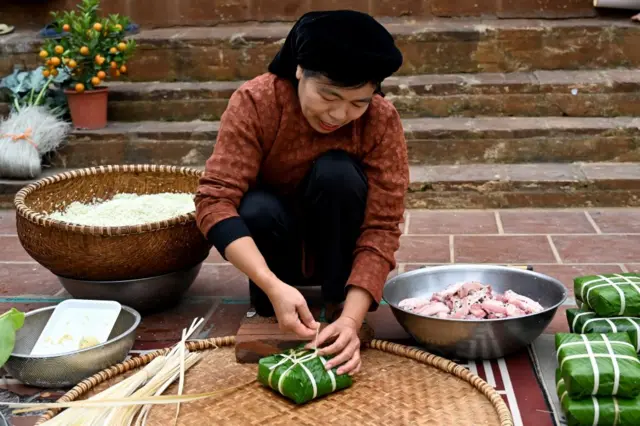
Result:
67,369
475,339
146,295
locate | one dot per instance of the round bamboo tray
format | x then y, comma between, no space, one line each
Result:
398,385
104,253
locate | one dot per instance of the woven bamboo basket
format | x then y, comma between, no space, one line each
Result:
398,385
103,252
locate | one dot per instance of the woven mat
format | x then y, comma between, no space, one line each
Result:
398,385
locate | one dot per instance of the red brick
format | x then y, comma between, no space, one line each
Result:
120,7
598,248
25,420
226,319
413,267
220,281
359,5
502,249
380,8
214,256
423,249
453,8
12,250
545,222
616,220
385,325
168,325
154,13
567,273
278,10
205,12
452,222
7,222
633,267
559,323
27,279
545,8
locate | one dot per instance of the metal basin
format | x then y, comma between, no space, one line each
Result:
69,368
146,295
475,339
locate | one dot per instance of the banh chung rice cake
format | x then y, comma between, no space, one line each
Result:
127,209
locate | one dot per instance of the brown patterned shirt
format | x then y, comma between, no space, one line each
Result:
264,133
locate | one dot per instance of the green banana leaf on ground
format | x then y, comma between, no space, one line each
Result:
300,375
609,295
583,321
600,411
598,365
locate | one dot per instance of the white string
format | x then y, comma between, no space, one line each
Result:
596,405
609,321
616,367
594,356
594,365
600,279
614,327
596,342
635,324
575,319
596,411
616,286
634,284
299,358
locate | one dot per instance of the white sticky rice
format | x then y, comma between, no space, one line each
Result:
127,209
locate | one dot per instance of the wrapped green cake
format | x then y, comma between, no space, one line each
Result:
598,365
584,322
609,295
609,411
300,375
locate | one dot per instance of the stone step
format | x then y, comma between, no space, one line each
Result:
525,185
593,93
451,140
179,12
433,46
479,186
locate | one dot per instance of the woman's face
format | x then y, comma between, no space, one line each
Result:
328,107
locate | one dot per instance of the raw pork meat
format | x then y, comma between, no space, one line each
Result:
471,300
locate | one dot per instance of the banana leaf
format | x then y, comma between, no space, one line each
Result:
598,365
300,375
583,321
10,322
600,411
610,295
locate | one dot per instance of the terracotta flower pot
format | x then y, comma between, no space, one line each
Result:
88,109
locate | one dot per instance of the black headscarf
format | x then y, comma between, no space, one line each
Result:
348,47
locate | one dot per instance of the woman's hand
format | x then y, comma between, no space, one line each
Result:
346,346
292,310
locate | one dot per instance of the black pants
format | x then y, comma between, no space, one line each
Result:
327,214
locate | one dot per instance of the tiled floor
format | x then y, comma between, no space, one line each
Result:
561,243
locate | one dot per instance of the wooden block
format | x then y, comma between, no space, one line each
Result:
256,341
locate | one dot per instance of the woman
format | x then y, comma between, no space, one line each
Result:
307,180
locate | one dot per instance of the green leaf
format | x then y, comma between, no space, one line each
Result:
10,322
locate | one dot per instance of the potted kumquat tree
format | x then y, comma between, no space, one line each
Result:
92,49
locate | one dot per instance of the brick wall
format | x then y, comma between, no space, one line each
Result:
161,13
